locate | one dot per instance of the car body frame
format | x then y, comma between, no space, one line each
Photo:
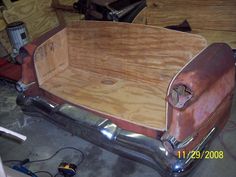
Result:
195,102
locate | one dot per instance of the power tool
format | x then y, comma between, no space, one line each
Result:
67,169
21,168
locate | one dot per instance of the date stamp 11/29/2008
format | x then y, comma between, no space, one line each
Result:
200,154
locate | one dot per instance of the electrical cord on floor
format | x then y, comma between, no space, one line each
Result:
49,158
56,175
61,149
46,172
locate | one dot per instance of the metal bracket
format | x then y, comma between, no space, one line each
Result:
21,87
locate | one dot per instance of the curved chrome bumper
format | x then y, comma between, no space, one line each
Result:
108,135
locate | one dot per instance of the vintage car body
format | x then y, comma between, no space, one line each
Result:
110,10
140,91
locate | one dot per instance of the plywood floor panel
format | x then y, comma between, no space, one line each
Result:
139,103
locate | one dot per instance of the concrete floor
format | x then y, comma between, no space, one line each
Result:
45,138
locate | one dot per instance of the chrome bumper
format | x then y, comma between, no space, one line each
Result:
108,135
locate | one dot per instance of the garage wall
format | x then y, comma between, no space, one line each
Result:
37,14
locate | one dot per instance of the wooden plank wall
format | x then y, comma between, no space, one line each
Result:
213,19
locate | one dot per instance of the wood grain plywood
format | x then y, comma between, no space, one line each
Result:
139,103
38,15
205,17
131,52
51,57
121,70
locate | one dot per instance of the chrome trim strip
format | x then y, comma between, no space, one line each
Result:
108,135
109,130
177,144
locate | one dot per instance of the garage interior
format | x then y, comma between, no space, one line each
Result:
212,19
